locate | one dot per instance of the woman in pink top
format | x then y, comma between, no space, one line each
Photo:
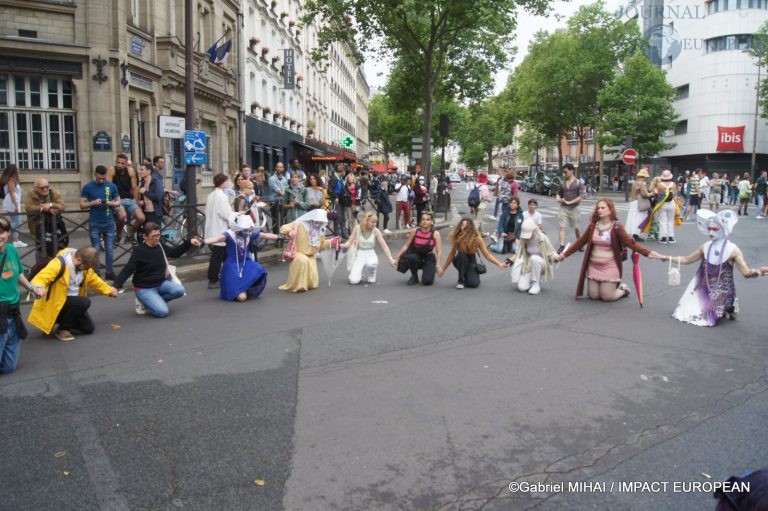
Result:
605,239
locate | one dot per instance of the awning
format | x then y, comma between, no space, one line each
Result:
380,167
305,145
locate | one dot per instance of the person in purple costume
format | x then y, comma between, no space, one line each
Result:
711,294
241,276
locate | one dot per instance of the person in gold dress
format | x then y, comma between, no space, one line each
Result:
309,233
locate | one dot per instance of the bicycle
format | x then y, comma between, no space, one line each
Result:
175,229
591,192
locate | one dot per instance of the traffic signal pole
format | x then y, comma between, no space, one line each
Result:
190,174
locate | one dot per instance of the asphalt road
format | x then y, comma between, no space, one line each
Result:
392,397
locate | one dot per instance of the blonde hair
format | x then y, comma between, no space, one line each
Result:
366,217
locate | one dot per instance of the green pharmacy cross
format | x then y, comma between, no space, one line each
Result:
348,142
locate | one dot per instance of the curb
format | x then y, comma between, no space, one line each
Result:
196,267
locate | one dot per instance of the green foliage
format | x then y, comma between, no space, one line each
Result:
530,141
482,132
759,51
447,47
638,102
390,127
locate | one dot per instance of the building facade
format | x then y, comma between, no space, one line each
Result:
83,81
701,46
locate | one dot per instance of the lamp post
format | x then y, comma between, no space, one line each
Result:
753,166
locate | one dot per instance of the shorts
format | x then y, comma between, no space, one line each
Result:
694,200
569,216
129,205
715,197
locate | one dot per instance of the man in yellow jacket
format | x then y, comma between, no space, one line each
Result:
67,278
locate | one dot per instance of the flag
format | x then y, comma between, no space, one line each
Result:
218,54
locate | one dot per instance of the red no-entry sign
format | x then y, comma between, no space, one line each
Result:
629,156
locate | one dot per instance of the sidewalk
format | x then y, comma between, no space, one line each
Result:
196,267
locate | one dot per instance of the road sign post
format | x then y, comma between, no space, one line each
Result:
629,156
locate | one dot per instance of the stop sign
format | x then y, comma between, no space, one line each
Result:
629,156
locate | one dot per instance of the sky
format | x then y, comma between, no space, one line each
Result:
528,25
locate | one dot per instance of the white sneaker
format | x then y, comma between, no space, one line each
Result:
20,244
459,286
140,309
387,231
494,237
493,217
759,217
535,289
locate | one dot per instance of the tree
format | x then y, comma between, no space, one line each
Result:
638,102
453,43
390,128
759,51
482,133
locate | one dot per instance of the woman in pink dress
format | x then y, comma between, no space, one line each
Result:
605,240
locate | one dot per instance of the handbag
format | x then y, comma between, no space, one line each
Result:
673,274
289,254
170,270
480,265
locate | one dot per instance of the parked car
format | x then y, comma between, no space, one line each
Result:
493,179
454,178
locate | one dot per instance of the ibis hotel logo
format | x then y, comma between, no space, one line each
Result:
730,138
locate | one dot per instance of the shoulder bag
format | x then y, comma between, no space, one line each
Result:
480,264
673,274
170,269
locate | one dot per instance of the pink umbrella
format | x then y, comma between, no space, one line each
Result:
637,277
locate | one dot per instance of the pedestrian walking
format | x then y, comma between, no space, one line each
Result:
745,193
569,196
11,188
640,204
606,242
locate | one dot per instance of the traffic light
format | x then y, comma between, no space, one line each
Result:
348,142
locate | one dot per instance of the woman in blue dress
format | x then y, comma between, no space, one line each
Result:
241,276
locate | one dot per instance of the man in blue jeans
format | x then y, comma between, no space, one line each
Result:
101,197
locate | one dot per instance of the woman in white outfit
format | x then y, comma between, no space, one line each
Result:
666,194
534,263
364,238
12,201
640,205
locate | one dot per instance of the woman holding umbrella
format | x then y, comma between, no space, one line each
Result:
606,241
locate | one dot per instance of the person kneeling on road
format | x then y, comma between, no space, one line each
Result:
67,278
533,264
151,279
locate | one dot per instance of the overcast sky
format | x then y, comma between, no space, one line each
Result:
528,25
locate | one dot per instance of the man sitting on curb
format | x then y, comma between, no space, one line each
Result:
65,302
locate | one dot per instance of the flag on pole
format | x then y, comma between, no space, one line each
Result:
217,54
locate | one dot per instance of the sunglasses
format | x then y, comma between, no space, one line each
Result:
46,187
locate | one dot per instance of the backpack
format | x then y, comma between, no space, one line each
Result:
42,263
473,199
338,187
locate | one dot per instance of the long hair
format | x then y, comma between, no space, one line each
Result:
466,236
10,172
611,208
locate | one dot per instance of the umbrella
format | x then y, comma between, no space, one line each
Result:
564,249
637,277
330,259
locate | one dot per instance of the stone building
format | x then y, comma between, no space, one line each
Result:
82,81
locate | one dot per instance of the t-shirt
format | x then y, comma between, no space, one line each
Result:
105,191
536,218
9,279
761,185
694,186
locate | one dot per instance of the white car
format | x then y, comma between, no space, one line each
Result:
454,178
493,179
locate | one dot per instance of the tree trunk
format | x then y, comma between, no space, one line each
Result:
490,161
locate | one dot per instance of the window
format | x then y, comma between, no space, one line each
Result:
682,91
37,123
681,128
729,42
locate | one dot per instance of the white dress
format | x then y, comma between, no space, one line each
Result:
634,218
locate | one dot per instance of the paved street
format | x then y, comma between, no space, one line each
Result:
386,397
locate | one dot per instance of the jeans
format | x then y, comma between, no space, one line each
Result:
502,225
15,223
538,265
365,260
155,299
760,199
107,232
10,345
466,264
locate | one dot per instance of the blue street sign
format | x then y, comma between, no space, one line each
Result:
195,159
194,141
